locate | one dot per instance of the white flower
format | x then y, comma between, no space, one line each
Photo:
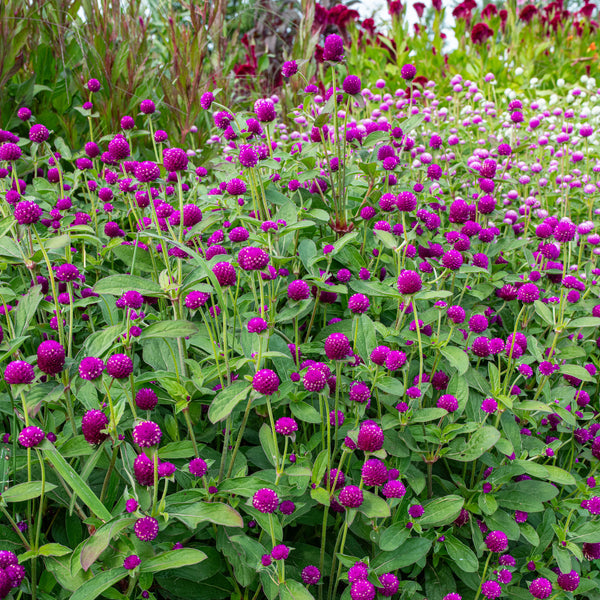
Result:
560,82
518,71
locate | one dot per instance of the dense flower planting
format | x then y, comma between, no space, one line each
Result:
353,354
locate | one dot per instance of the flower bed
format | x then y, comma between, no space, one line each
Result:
301,364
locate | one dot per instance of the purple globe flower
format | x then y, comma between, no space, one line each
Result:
374,472
389,584
280,552
248,156
147,107
257,325
31,436
362,589
50,357
265,110
394,489
286,426
333,49
27,212
143,469
131,562
568,581
298,290
351,496
175,159
496,541
447,402
18,372
409,282
416,511
358,572
408,72
337,346
358,304
206,100
265,500
67,272
289,68
119,366
90,368
287,507
265,382
540,588
370,437
198,467
359,392
528,293
146,529
147,171
352,85
225,274
38,133
311,575
491,590
10,152
147,434
93,424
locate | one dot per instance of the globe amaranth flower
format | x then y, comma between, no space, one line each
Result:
358,304
447,402
394,489
225,274
333,49
351,496
18,372
298,290
280,552
50,357
67,272
131,562
251,258
197,467
265,110
311,575
409,282
289,68
389,584
206,100
370,437
352,85
528,293
379,354
496,541
337,346
93,424
362,590
147,434
146,529
491,590
358,572
27,212
286,426
314,380
175,159
31,436
359,392
287,507
265,382
119,366
257,325
90,368
265,500
374,472
408,72
569,582
540,588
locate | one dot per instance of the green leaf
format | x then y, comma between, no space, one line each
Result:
171,329
393,537
26,491
530,534
63,148
366,338
462,555
173,559
457,358
226,400
410,552
424,415
97,543
526,495
45,550
374,507
584,322
101,581
481,441
294,310
99,342
321,496
387,239
441,511
267,442
75,482
487,503
214,512
544,312
25,311
576,371
116,285
305,412
586,532
293,590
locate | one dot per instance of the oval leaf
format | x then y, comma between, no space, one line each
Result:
26,491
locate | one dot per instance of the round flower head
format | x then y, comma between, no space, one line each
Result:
286,426
206,100
452,260
568,581
18,371
370,437
119,366
337,346
10,152
298,290
394,489
351,496
362,589
408,72
67,272
175,159
118,148
491,590
131,562
265,382
257,325
528,293
289,68
540,588
311,575
143,469
198,467
333,49
314,380
147,434
287,507
389,584
280,552
358,304
409,282
447,402
352,85
31,436
496,541
252,258
265,110
374,472
225,274
24,113
147,171
358,572
248,156
146,529
39,133
265,500
359,392
93,424
147,107
91,368
195,300
50,357
27,212
452,596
